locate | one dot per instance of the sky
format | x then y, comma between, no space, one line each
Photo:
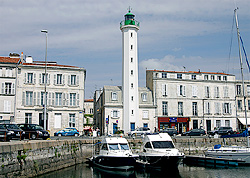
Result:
191,34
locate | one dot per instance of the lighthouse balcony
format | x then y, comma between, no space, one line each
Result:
129,22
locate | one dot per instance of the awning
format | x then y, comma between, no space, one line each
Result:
243,121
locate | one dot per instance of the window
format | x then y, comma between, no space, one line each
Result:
194,107
217,108
227,123
30,78
164,89
132,72
218,123
113,96
238,89
207,107
216,92
193,77
73,80
72,120
59,79
132,98
164,108
205,77
248,90
179,76
91,111
225,78
144,96
164,75
1,72
132,85
207,93
58,99
7,105
212,77
28,118
145,125
131,35
72,99
180,108
225,91
248,102
227,108
132,112
131,59
195,124
131,47
43,79
181,90
115,113
145,114
42,98
194,90
8,72
132,126
29,98
8,88
239,105
218,77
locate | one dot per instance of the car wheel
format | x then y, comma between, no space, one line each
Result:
33,136
174,135
76,135
59,135
201,134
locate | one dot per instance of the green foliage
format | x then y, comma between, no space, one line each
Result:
2,165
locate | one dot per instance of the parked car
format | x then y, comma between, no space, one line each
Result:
170,131
5,135
67,132
16,131
139,131
194,132
34,131
213,132
225,131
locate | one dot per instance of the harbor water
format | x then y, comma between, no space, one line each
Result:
184,171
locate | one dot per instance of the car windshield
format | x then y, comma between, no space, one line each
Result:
113,146
37,127
124,146
162,144
12,126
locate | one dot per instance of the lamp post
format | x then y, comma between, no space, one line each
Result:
45,82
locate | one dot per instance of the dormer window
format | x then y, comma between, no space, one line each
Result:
179,76
193,77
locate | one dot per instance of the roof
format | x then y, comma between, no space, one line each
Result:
49,65
114,140
9,60
190,72
89,100
157,137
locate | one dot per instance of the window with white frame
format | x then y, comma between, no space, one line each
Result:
207,107
164,75
72,120
113,96
226,108
29,77
72,99
205,77
194,90
115,114
28,118
207,91
145,114
132,98
218,77
29,98
91,110
144,96
59,79
216,92
73,80
132,85
164,108
181,90
180,108
43,78
248,90
194,108
225,91
131,47
179,76
132,72
227,123
164,90
239,105
8,88
218,123
238,89
58,99
42,98
212,77
225,78
193,77
131,59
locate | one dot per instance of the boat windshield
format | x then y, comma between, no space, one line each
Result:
162,144
113,146
124,146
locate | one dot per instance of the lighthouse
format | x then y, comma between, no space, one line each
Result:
129,28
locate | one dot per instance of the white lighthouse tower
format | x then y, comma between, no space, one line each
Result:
129,28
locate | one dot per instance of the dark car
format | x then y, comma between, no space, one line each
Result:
67,132
213,132
34,131
194,132
16,132
5,135
225,131
170,131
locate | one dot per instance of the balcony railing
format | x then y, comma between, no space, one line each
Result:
129,22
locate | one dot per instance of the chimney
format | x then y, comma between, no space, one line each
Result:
29,59
14,55
22,57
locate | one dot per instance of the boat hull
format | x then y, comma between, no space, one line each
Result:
115,162
160,162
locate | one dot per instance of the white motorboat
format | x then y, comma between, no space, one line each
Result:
115,154
159,152
230,152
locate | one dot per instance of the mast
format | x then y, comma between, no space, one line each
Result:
241,69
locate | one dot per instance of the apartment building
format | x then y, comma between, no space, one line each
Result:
189,100
65,94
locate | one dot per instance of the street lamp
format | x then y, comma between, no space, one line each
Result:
45,82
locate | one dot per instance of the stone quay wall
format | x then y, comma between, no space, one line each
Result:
36,157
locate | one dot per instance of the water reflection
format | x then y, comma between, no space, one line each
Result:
183,171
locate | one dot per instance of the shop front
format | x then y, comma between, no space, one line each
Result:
181,124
